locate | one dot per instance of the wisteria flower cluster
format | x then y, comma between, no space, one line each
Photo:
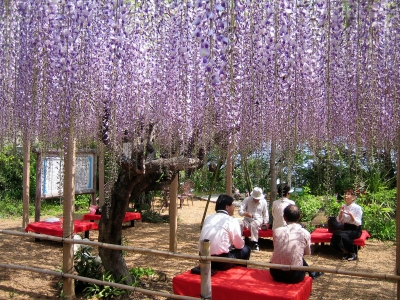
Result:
293,72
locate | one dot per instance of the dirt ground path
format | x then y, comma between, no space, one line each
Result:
376,257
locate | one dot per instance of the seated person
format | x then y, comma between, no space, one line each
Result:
223,231
279,205
350,215
255,211
291,243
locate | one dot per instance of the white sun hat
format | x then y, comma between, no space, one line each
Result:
257,193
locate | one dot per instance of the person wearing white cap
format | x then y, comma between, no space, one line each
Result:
254,209
279,206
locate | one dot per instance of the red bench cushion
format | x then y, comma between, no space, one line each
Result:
241,283
321,235
129,216
55,228
261,233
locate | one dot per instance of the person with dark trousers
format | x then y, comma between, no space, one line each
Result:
291,243
350,215
223,232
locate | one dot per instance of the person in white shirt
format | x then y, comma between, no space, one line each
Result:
350,215
223,232
279,205
291,243
255,211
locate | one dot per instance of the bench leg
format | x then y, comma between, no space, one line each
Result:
133,223
87,234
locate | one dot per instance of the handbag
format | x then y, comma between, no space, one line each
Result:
334,225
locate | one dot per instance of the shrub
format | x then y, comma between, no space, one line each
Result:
309,205
11,171
88,265
331,206
152,217
379,213
82,201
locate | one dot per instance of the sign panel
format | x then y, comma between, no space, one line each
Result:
53,175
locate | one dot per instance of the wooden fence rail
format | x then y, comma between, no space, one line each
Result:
199,258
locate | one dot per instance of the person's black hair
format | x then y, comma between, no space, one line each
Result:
292,213
222,201
283,190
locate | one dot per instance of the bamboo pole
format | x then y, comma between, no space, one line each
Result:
25,181
95,281
229,170
68,213
38,198
211,191
173,213
101,174
202,258
205,271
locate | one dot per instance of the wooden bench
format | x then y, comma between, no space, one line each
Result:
129,217
322,235
55,228
241,283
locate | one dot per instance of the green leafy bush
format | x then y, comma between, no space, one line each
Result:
11,171
104,291
331,206
12,208
88,265
82,202
152,217
379,213
309,205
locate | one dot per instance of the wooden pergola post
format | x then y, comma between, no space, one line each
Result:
38,199
68,214
205,271
25,181
229,170
101,174
173,212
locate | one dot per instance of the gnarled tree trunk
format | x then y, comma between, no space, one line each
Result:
136,176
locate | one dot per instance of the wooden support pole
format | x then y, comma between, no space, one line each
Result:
94,194
101,174
173,213
25,181
38,200
68,215
205,270
229,170
272,167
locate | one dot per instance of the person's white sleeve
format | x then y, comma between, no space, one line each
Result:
236,235
242,208
357,216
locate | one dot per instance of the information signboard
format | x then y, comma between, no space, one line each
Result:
52,173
